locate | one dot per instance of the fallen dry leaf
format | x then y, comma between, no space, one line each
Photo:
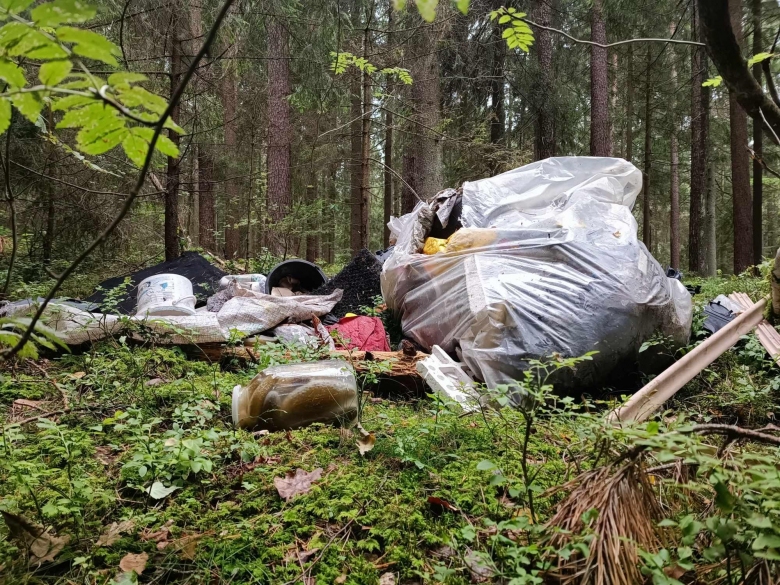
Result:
438,504
340,579
105,455
387,579
114,532
674,571
366,442
78,375
154,382
187,545
131,562
296,483
43,546
22,403
161,536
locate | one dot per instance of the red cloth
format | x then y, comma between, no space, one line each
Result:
361,333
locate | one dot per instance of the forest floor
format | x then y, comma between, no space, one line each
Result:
127,457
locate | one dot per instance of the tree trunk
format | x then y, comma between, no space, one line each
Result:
48,235
365,149
279,192
630,105
544,139
497,114
311,239
355,163
776,285
207,221
758,170
388,177
699,117
229,96
646,231
674,164
710,225
600,131
740,168
172,184
422,144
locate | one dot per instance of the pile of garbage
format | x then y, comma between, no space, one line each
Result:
547,262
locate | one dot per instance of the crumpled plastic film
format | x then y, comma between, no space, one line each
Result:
548,262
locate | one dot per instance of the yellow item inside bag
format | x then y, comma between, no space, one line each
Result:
469,238
434,246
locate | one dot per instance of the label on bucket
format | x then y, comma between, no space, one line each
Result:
165,290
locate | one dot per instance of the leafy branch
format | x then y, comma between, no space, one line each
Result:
342,61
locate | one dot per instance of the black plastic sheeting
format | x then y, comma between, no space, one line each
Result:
202,273
360,282
718,317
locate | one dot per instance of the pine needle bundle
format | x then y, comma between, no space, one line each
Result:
628,513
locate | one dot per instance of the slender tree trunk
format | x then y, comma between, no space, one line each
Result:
207,221
48,235
388,177
356,163
497,113
674,172
544,139
600,131
699,118
758,170
279,192
422,143
330,220
172,184
740,168
630,105
365,148
229,97
710,225
250,232
646,219
311,240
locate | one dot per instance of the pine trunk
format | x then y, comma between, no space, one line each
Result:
388,177
206,217
365,151
497,113
355,163
544,139
279,192
698,149
600,130
740,167
646,219
172,183
229,98
758,169
311,239
710,226
630,105
674,164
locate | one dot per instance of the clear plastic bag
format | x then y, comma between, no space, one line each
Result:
297,395
548,262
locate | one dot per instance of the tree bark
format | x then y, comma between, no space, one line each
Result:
776,285
355,163
758,169
229,97
497,113
388,177
710,225
699,121
365,149
422,144
630,105
207,221
646,219
544,139
311,239
724,49
172,250
600,131
674,176
279,192
740,169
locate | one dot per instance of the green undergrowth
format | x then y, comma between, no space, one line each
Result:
142,459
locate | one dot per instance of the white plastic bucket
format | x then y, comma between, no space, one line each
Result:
165,295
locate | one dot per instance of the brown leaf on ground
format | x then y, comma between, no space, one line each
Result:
438,505
43,546
187,545
161,536
105,455
114,532
366,442
479,567
131,562
387,579
341,579
674,571
154,382
78,375
296,483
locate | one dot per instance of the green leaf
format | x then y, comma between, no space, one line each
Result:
28,104
89,115
164,144
463,6
53,72
399,4
760,522
158,491
5,114
723,498
759,57
485,465
89,44
72,101
427,9
12,73
62,12
135,148
504,19
507,33
102,144
125,78
713,82
15,6
12,32
765,540
136,97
